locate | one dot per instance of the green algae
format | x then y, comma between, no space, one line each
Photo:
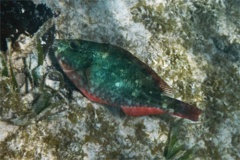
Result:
11,100
153,18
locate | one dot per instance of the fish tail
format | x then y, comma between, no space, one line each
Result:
184,110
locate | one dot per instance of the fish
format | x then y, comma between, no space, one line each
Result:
112,76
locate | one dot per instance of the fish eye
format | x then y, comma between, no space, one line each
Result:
73,45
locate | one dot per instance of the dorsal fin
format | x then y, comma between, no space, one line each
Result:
167,90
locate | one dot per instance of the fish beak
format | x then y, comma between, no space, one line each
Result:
57,46
57,43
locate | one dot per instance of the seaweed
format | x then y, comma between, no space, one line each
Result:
175,148
40,53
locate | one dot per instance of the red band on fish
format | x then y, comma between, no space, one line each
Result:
93,98
137,111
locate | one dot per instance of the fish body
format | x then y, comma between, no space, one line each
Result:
112,76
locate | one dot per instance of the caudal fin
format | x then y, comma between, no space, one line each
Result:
185,110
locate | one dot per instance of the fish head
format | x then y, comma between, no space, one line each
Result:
72,54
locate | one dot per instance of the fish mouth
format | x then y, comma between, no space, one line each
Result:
57,43
58,46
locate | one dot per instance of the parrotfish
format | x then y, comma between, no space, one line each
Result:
112,76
